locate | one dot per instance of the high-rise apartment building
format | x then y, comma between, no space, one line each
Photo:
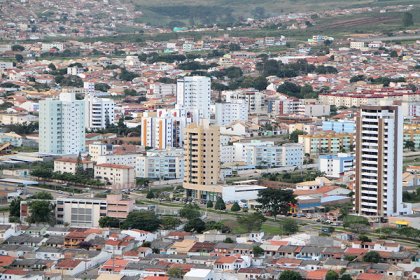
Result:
227,113
193,94
202,161
99,112
379,161
61,125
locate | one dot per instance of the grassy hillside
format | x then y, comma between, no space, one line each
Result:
209,11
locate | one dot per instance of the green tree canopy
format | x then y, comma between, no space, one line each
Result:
175,272
372,257
235,207
276,200
14,207
257,251
332,275
252,222
220,204
195,225
209,204
169,222
42,211
190,211
109,222
290,226
294,136
18,48
43,195
290,275
143,220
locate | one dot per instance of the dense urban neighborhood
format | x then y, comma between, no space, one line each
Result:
209,141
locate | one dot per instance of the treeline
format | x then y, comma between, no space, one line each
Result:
377,81
269,67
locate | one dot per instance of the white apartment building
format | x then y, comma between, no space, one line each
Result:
227,113
46,47
99,112
312,108
99,149
193,94
61,125
336,165
69,165
119,158
258,153
292,154
116,176
157,132
254,99
161,164
160,90
89,87
74,70
379,161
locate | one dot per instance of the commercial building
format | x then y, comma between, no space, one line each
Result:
202,160
379,161
115,176
336,165
161,164
193,94
83,212
227,113
99,112
340,126
327,142
61,125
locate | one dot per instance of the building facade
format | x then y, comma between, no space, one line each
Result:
202,160
379,161
292,154
193,94
336,165
327,143
227,113
61,125
99,112
116,176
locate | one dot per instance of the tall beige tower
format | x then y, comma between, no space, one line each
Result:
202,161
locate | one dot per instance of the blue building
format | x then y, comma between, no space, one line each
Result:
339,126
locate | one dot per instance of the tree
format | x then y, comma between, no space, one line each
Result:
393,53
228,240
69,81
346,277
150,195
257,251
170,222
42,211
143,220
409,145
102,87
234,47
18,48
19,57
220,204
372,257
52,66
364,238
290,275
195,225
294,136
209,204
126,75
290,89
407,19
290,226
235,207
175,272
260,83
190,211
43,195
85,245
252,222
109,222
276,200
331,275
14,207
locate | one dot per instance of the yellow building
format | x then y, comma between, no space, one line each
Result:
202,161
327,142
412,133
